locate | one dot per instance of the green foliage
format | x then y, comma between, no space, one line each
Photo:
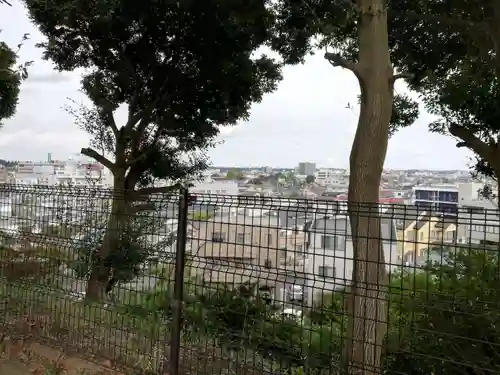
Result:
201,216
332,25
234,174
448,54
328,309
240,319
135,246
11,76
310,179
444,319
9,82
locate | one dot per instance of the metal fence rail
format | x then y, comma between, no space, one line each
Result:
243,284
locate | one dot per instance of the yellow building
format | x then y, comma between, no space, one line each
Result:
419,230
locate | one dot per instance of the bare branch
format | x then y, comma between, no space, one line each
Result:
336,60
91,153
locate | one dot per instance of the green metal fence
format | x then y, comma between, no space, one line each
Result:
202,284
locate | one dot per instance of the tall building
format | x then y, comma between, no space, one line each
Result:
306,168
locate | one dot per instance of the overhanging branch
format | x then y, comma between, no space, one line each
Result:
91,153
472,142
336,60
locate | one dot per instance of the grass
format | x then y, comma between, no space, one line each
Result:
113,334
105,332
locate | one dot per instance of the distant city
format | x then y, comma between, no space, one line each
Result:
440,190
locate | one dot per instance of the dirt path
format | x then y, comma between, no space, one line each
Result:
14,368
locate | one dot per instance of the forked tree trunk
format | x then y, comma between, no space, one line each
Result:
101,268
366,301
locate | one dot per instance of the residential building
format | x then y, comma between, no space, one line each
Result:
329,263
306,169
447,198
235,253
333,178
418,230
470,197
223,187
478,226
235,250
4,175
442,198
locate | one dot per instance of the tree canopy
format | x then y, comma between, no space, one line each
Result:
449,55
182,69
10,81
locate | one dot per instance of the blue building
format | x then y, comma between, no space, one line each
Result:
443,198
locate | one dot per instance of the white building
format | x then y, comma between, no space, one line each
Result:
216,187
332,178
329,253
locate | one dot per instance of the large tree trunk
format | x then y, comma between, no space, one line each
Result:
101,268
366,301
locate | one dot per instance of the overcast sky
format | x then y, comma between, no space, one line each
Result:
306,119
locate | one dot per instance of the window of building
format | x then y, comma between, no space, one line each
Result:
326,271
421,236
336,243
240,237
328,242
269,238
268,263
218,236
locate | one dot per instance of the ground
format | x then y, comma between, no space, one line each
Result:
14,368
31,358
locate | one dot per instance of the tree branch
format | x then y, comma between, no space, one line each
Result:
395,77
336,60
472,142
144,207
110,120
98,157
143,116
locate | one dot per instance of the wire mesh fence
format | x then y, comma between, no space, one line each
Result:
244,284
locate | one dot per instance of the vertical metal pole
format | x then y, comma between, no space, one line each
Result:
177,301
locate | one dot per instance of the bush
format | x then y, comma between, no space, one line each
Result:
444,319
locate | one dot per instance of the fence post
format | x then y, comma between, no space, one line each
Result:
171,367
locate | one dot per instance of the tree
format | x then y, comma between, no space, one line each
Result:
358,33
450,55
310,179
181,68
11,76
234,174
